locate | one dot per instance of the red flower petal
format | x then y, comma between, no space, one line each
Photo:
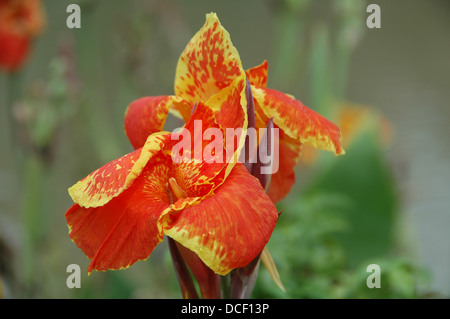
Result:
297,125
127,228
282,181
225,112
147,115
107,182
14,50
230,228
198,172
144,117
298,121
230,112
258,75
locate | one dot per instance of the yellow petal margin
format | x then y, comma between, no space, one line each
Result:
299,122
208,64
226,111
147,115
110,180
258,75
126,229
230,111
228,229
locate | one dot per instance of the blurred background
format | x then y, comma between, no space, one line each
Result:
385,202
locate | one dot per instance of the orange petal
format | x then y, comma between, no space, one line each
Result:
282,181
14,50
192,173
225,112
147,115
144,117
298,121
181,108
230,112
127,228
109,181
230,105
258,75
209,63
230,228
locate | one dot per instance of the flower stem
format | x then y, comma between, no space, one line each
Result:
184,277
242,280
208,281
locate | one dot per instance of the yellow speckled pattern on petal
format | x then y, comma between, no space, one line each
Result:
298,121
107,182
258,75
209,63
230,111
147,115
127,228
230,228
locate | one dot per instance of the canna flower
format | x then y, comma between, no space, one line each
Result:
210,63
218,210
21,22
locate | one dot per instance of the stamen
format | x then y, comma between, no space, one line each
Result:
177,191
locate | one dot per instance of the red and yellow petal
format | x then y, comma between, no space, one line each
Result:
298,121
198,172
230,105
225,112
127,228
287,154
230,112
199,179
258,75
282,181
230,228
147,115
208,64
109,181
181,108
